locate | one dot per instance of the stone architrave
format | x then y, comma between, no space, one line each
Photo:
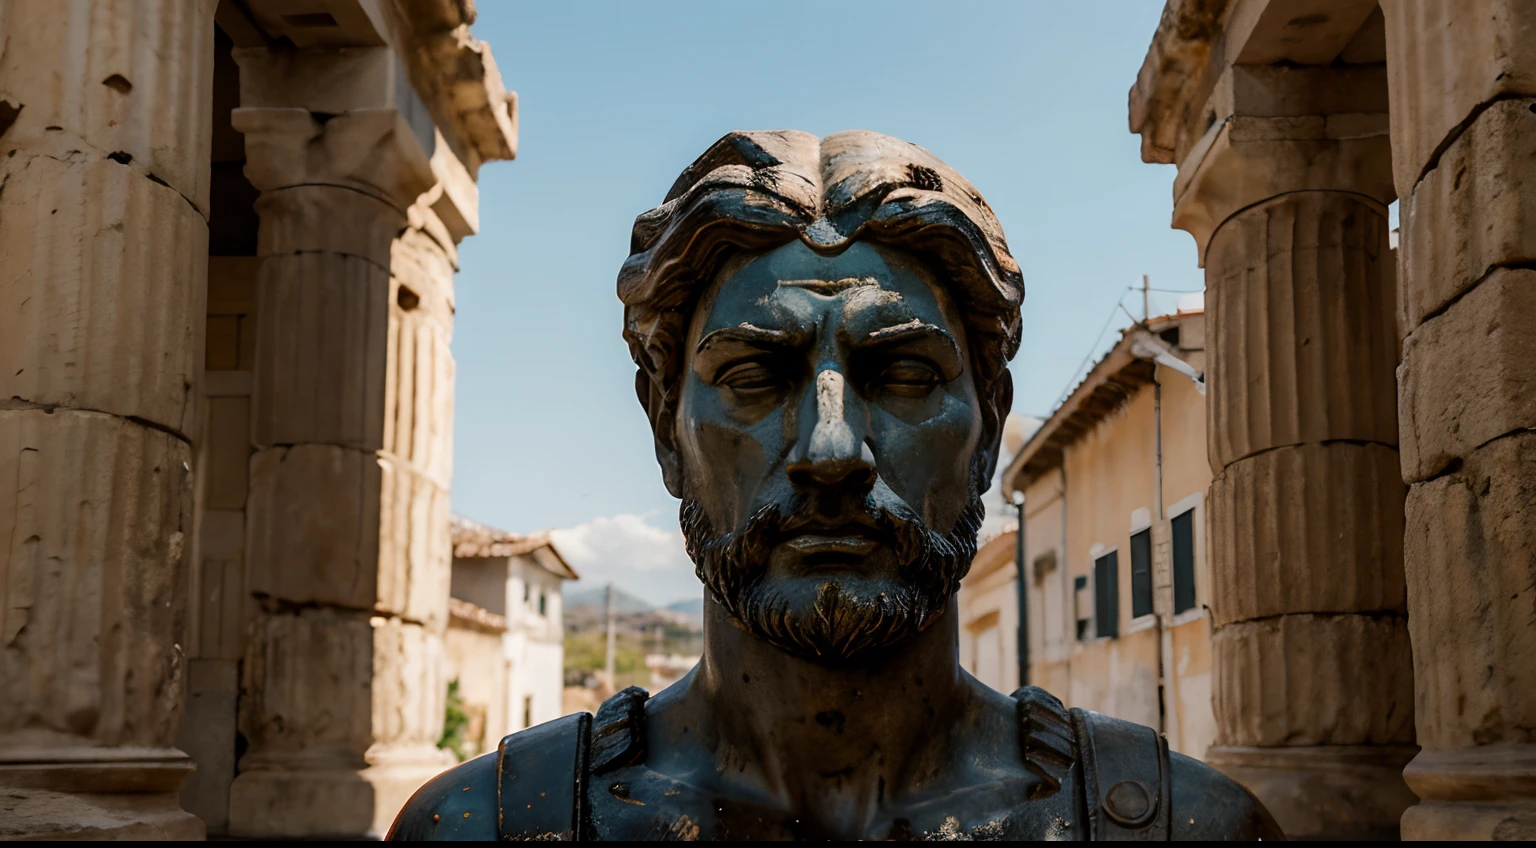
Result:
104,124
1463,88
1286,197
347,518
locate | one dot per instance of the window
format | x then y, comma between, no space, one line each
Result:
1083,606
528,711
1141,573
1106,595
543,603
1183,562
527,592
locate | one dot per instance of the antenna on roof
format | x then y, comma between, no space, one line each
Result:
1146,301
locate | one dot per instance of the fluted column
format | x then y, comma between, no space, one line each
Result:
347,529
1463,87
1286,196
103,232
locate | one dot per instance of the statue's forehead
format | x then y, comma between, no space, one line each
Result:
793,284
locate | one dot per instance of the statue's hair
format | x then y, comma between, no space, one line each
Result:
753,191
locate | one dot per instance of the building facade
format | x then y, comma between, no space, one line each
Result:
231,230
506,633
1371,421
1115,546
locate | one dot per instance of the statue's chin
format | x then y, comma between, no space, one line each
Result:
832,620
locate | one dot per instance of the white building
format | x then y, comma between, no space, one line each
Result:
505,644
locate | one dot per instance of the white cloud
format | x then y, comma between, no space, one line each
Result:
641,554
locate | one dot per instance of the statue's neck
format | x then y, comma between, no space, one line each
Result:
864,731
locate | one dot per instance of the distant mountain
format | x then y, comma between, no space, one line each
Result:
595,597
691,608
688,606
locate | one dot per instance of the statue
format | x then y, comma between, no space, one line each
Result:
822,329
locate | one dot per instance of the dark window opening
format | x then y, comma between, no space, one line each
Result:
528,711
1171,336
1183,526
1084,612
1141,573
543,603
1106,595
1044,564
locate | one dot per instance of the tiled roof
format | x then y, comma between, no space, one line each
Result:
472,539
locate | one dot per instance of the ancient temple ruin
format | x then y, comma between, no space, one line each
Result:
230,234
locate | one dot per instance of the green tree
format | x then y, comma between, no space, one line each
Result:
455,723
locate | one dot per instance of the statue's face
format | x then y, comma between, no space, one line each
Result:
828,433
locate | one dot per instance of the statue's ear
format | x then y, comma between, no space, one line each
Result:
994,417
663,430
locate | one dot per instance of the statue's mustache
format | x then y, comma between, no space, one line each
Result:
896,526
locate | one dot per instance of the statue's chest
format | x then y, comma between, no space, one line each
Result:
639,804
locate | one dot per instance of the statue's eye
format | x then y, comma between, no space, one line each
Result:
910,378
749,377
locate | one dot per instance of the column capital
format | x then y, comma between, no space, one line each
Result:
1275,130
371,150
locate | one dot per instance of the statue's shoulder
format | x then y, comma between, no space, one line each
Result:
459,804
1131,786
530,789
1209,805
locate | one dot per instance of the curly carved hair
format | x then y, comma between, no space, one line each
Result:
751,192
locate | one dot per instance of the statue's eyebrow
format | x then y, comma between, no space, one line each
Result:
749,334
915,330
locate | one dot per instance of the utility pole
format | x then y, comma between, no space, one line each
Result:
608,663
1018,503
1146,300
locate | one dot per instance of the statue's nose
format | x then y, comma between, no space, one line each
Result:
834,453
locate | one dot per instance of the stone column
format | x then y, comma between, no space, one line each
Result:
1286,196
347,518
104,125
1463,87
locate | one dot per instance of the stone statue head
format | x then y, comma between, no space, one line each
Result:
822,329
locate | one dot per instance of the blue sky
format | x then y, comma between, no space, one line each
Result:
1027,99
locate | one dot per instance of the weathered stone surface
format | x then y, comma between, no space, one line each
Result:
408,692
1476,211
104,275
372,150
327,218
418,425
305,800
98,526
312,525
308,677
342,731
133,80
1325,792
208,735
1302,342
321,351
1479,793
1246,160
348,528
1446,60
1469,374
415,548
39,814
1471,557
1311,529
1299,680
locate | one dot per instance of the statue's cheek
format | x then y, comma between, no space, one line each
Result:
928,464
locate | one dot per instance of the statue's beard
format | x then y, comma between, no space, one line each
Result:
836,620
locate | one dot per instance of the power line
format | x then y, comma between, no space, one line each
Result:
1119,304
